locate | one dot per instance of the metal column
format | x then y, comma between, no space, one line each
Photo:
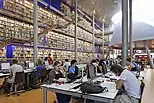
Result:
76,17
149,55
103,39
93,34
35,31
124,31
44,95
130,30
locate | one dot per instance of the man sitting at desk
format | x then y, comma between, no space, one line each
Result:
13,69
73,69
130,83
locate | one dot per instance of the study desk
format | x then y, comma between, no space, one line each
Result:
4,75
68,89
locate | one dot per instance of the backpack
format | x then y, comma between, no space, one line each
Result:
92,87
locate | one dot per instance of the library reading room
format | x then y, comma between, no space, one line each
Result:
76,51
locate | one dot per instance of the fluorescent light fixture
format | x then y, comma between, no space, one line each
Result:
142,11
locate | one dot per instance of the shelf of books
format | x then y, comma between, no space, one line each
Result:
60,42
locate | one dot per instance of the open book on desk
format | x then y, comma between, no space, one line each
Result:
111,76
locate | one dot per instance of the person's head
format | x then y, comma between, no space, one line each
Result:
49,55
39,62
74,62
97,61
14,61
46,58
101,61
94,62
117,69
128,61
56,65
66,60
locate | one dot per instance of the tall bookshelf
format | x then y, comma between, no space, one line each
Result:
59,42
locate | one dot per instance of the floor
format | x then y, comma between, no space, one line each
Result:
148,94
35,96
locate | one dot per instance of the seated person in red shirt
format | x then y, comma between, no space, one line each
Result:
50,59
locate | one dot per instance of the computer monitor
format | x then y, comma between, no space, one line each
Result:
31,65
5,66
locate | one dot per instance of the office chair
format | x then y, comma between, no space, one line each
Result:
42,76
142,89
19,79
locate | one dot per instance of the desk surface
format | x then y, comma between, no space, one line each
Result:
2,75
69,88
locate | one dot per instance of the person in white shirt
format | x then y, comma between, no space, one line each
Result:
66,64
130,83
13,69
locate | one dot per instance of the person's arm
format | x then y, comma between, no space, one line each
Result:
119,84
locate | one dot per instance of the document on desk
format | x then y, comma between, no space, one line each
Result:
109,85
62,86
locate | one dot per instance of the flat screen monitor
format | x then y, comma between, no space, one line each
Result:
31,65
5,66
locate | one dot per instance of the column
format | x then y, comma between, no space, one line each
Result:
130,29
124,31
93,33
76,17
35,53
149,55
103,38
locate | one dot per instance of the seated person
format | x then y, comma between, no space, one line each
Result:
132,65
39,67
130,84
55,74
13,69
73,69
66,64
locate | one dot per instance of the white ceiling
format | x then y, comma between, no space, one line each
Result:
103,8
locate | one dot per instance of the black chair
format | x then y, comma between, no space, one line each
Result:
19,79
43,74
142,89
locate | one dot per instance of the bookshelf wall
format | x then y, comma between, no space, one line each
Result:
59,42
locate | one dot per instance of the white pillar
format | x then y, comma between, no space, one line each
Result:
93,34
35,53
124,31
76,17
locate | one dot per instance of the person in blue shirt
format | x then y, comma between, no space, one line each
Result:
133,65
39,67
73,68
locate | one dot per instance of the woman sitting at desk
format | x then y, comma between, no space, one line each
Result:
129,82
54,75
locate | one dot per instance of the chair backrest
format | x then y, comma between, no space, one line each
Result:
43,72
19,77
